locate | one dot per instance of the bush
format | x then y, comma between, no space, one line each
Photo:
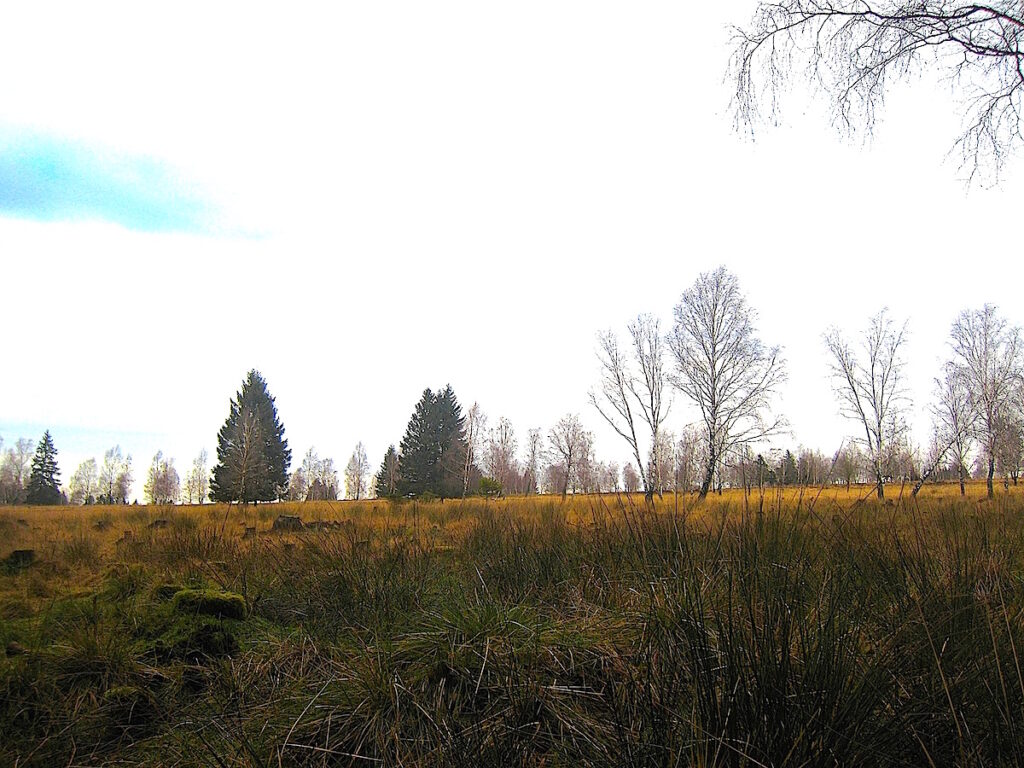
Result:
489,487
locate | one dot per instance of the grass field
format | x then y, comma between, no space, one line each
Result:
801,628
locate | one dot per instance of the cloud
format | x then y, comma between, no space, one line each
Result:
50,179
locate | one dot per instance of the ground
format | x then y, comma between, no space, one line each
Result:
801,627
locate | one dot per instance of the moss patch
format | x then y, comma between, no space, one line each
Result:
165,592
207,602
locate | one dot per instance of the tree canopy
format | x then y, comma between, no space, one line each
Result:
252,453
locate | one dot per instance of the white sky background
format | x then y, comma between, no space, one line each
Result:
401,195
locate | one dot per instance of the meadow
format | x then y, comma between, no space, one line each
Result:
798,627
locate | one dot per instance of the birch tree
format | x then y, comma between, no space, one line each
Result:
724,368
570,442
357,473
632,393
869,382
954,426
197,482
14,471
476,424
84,483
115,480
533,459
987,354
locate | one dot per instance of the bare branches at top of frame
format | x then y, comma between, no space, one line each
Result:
852,51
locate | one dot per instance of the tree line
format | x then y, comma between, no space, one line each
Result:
711,358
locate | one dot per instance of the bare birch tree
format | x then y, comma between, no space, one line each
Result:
724,368
954,424
357,473
500,454
115,480
632,390
533,459
84,483
849,464
162,483
14,471
870,387
476,423
987,353
630,479
853,50
197,482
1010,447
569,441
649,388
616,402
688,459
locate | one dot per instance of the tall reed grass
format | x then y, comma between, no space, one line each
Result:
793,630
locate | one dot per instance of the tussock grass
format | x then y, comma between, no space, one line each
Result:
802,628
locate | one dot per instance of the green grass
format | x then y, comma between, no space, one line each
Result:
476,634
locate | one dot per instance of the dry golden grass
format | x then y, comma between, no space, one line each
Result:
79,544
51,531
791,627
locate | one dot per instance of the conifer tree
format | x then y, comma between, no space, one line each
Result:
44,482
252,453
451,428
386,481
418,450
433,451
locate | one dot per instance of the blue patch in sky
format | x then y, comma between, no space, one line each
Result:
48,179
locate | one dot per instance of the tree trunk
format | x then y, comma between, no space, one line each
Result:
880,485
991,474
709,477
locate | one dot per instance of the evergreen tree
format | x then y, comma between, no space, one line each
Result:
388,477
252,454
44,482
433,451
451,430
788,474
418,450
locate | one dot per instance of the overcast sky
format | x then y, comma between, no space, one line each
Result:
375,198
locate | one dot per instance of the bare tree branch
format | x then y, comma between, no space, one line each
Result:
852,50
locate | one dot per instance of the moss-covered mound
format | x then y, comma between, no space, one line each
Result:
208,602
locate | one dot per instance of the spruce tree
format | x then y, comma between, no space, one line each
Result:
451,431
44,482
418,450
433,451
788,474
388,477
252,453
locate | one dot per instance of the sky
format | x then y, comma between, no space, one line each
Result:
365,200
